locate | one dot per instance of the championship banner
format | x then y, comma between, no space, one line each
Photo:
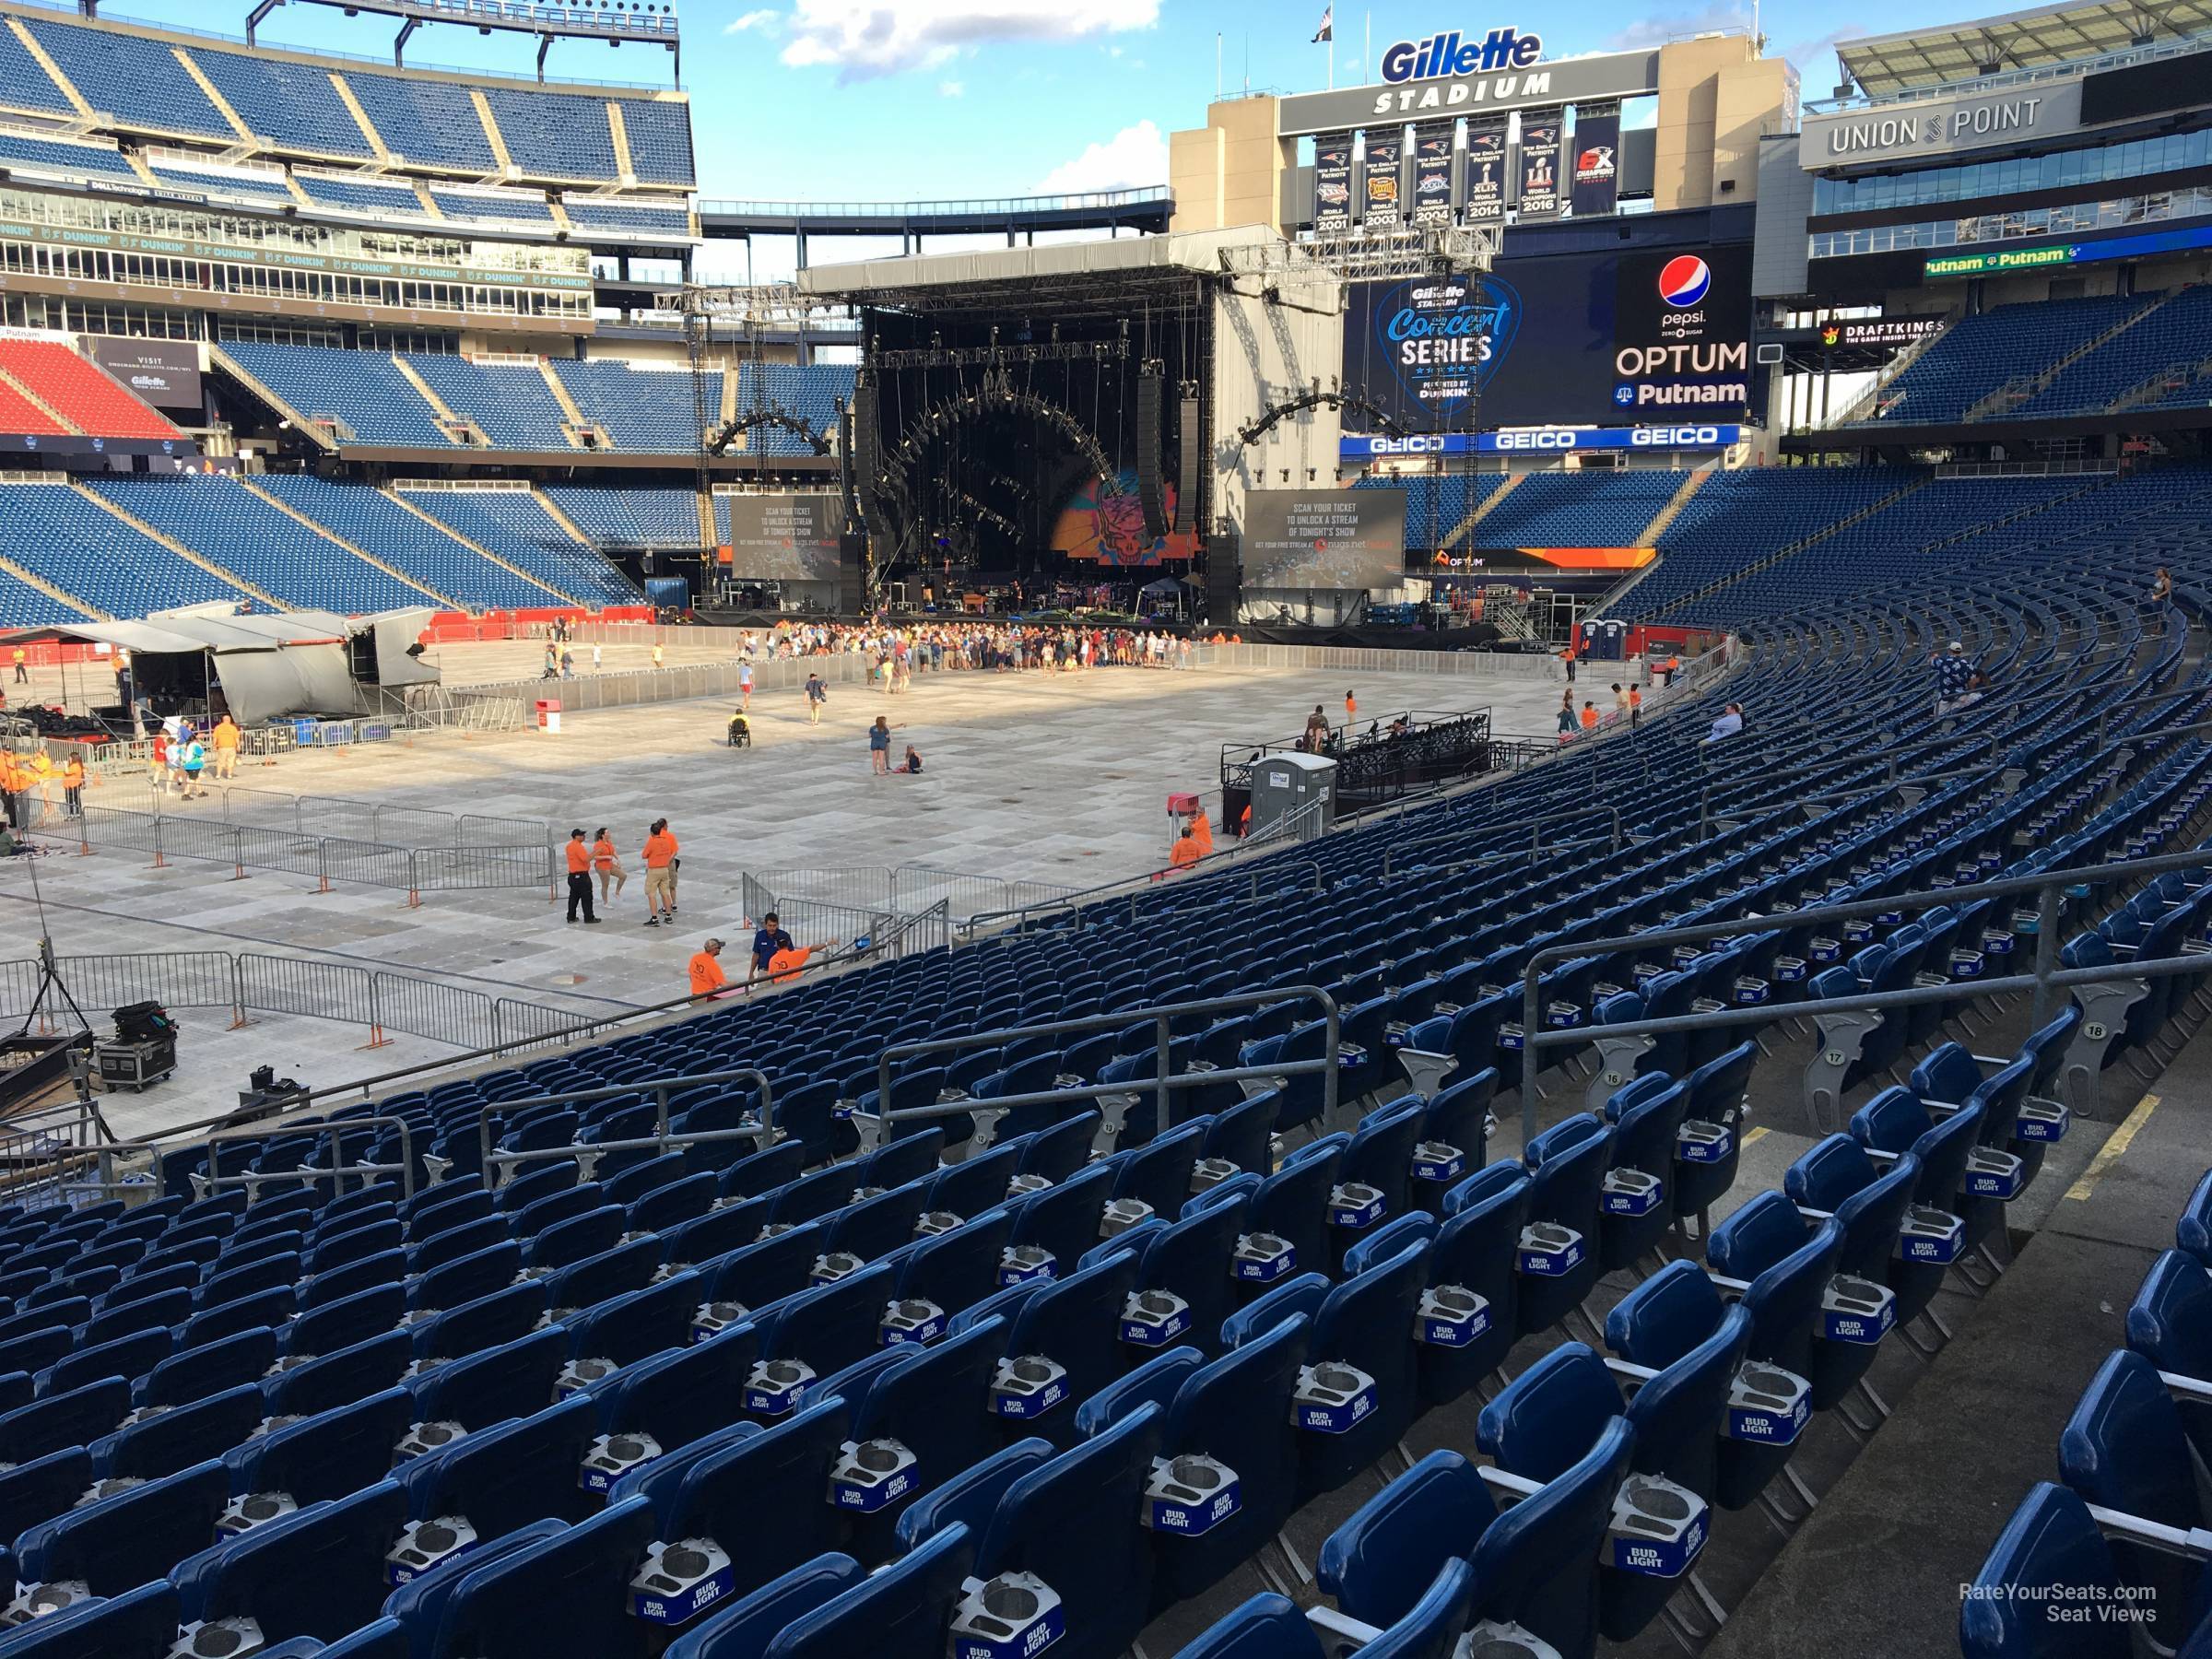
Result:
1432,174
1381,193
1333,183
1596,186
1538,197
1485,197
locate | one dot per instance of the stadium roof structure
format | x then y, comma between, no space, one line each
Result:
2044,36
1100,276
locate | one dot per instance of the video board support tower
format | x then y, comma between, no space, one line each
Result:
1396,253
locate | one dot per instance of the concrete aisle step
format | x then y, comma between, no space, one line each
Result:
1878,1564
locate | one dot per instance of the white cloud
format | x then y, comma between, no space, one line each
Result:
1658,30
1133,156
952,89
865,38
763,18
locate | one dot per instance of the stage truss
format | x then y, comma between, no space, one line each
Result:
1406,252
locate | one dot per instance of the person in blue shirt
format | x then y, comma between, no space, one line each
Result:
1730,722
1954,673
769,939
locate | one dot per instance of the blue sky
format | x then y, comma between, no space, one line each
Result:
877,99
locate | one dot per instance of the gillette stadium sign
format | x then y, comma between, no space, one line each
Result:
1457,71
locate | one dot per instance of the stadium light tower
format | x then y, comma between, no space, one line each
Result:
649,21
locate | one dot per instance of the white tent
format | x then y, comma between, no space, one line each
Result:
268,665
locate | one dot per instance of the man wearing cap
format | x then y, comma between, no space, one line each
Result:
1954,672
580,880
707,976
767,942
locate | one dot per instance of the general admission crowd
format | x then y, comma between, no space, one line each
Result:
896,652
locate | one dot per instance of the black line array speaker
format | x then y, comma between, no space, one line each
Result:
867,450
1224,585
852,573
844,465
1149,496
1192,457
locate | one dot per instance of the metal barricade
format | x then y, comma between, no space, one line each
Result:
433,1008
182,978
317,990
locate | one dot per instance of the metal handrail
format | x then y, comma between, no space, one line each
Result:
764,1132
251,1180
987,1114
1537,845
2046,885
1137,886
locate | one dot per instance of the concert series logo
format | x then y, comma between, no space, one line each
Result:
1445,337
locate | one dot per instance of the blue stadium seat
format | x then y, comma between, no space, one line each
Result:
489,1483
2050,1547
1066,1535
318,1571
117,1543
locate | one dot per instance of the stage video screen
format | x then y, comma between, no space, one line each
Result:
1324,538
1603,339
782,537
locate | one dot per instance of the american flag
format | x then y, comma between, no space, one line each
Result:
1327,31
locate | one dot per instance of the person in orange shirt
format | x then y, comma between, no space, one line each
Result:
609,865
580,877
1588,716
1202,832
73,786
1186,852
225,738
1351,708
1635,705
660,874
707,976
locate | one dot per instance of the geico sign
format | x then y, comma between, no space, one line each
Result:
1675,437
1418,444
1716,358
1536,441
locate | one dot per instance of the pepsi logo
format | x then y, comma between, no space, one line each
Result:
1686,280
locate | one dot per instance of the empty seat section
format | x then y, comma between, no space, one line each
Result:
222,521
373,522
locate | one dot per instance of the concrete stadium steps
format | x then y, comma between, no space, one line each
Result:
1878,1564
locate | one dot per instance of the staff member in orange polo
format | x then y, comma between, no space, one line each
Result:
707,976
579,877
660,874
